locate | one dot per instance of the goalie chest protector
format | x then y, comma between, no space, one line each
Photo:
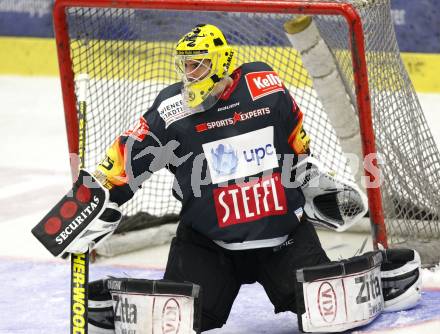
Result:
228,175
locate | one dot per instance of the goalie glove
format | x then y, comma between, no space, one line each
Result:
82,219
98,230
331,202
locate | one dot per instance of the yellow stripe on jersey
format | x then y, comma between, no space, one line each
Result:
299,140
113,166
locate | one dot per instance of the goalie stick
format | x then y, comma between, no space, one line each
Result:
66,221
79,263
83,217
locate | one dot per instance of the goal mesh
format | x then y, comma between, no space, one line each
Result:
128,54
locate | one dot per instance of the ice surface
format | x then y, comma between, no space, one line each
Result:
35,300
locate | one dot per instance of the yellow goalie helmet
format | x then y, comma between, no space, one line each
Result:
203,58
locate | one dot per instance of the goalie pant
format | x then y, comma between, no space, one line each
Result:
221,272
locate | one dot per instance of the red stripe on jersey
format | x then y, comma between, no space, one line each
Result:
139,131
236,75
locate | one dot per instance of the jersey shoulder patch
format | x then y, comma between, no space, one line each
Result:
262,80
169,104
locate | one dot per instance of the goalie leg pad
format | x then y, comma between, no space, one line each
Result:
340,295
144,307
401,279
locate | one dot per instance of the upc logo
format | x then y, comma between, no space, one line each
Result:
243,155
258,153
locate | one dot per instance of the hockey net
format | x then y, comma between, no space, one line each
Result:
126,47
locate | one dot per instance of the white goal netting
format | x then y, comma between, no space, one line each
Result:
128,53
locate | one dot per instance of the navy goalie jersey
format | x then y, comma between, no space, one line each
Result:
231,163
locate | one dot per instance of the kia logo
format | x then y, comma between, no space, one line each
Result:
327,302
171,317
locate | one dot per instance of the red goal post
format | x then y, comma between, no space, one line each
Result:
347,10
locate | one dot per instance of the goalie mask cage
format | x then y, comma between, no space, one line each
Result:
126,47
